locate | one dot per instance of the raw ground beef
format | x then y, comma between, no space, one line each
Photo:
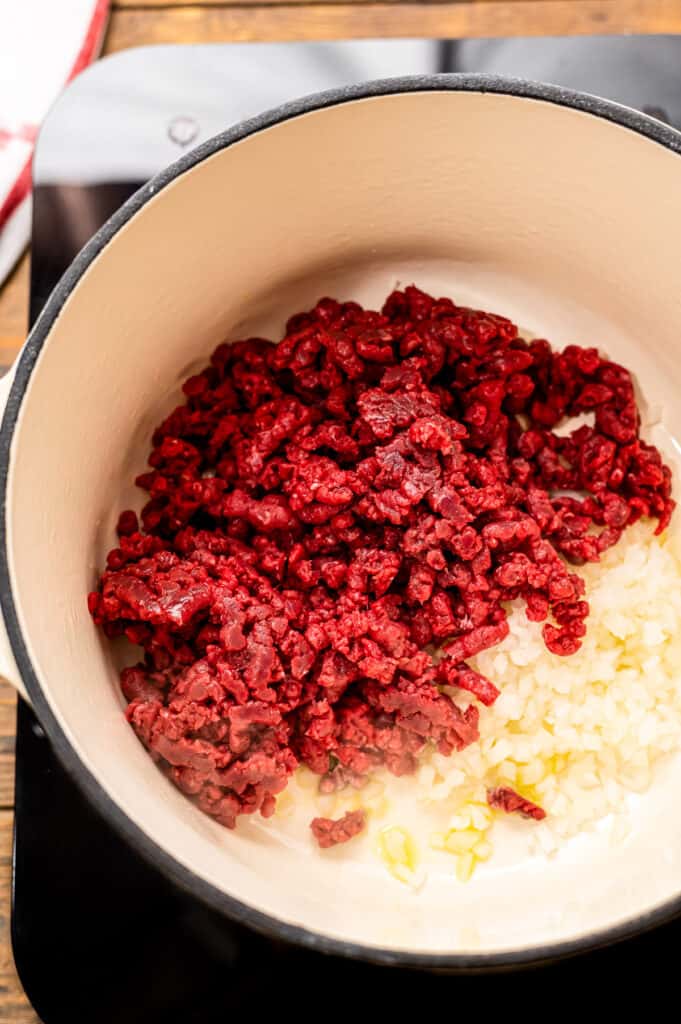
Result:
326,512
503,798
330,832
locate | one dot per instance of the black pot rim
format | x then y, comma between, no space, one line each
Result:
138,839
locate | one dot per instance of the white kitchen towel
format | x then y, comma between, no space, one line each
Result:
43,45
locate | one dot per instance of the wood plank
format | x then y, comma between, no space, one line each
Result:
240,3
8,713
14,1006
14,312
319,20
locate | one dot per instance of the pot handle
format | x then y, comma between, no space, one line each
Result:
8,666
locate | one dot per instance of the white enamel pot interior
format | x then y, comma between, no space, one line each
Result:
558,210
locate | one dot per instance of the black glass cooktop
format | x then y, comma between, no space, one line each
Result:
99,936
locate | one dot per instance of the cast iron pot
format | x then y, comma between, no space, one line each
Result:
557,209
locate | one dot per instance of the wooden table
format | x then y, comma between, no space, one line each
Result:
140,22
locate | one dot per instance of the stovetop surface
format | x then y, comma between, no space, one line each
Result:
100,936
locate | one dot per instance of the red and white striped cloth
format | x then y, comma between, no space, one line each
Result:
43,45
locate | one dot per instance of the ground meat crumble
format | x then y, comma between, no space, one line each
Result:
330,832
503,798
325,512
